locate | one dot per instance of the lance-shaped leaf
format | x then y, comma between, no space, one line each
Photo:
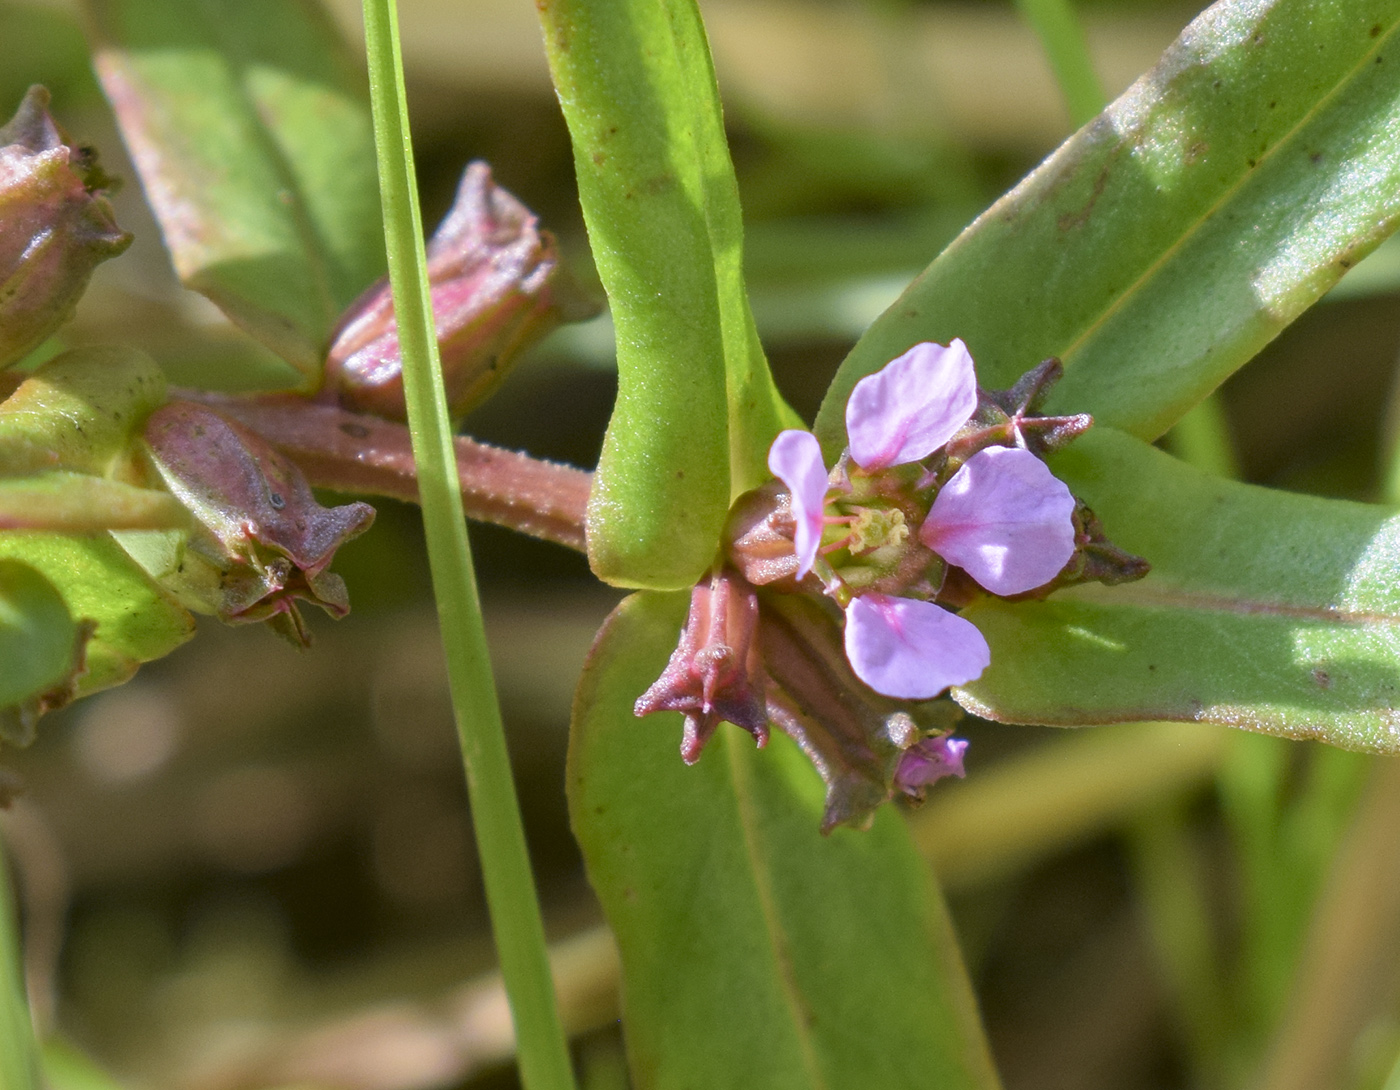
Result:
696,407
134,621
1264,610
755,951
1172,237
249,126
78,503
39,646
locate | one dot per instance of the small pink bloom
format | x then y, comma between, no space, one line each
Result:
928,761
911,650
1005,519
796,459
912,406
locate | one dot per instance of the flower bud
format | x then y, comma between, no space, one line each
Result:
261,540
55,227
496,287
714,674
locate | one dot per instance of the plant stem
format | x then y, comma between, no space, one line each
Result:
355,453
500,836
1063,40
19,1065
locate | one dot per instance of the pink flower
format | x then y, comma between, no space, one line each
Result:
911,406
928,761
1003,518
911,650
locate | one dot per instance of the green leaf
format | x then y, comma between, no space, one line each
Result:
249,125
38,637
136,620
696,407
1171,238
1264,610
755,951
79,503
80,411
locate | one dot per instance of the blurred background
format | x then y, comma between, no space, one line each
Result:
253,867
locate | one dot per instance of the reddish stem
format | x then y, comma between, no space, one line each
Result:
353,453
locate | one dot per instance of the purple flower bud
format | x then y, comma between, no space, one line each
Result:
55,227
496,287
714,674
928,761
261,539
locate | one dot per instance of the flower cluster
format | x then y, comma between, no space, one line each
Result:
941,496
1002,517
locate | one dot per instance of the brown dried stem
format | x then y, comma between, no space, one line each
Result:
354,453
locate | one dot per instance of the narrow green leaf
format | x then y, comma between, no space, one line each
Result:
249,125
19,1055
1062,38
1264,610
37,635
755,952
696,408
136,620
78,503
1167,241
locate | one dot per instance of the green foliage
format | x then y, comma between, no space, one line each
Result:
1169,240
756,951
696,408
38,637
1264,610
249,125
135,620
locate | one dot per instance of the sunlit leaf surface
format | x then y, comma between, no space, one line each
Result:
136,621
755,951
1172,237
249,126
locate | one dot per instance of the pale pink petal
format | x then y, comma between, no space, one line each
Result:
911,650
928,761
912,406
1005,519
795,458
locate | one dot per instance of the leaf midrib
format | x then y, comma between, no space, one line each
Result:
748,824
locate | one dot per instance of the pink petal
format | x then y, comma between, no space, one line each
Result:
911,650
912,406
1005,519
795,458
928,761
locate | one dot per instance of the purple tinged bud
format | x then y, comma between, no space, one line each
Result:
261,540
927,761
715,674
496,287
55,227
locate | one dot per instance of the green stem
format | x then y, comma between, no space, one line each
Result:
1202,438
500,836
1063,40
19,1066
